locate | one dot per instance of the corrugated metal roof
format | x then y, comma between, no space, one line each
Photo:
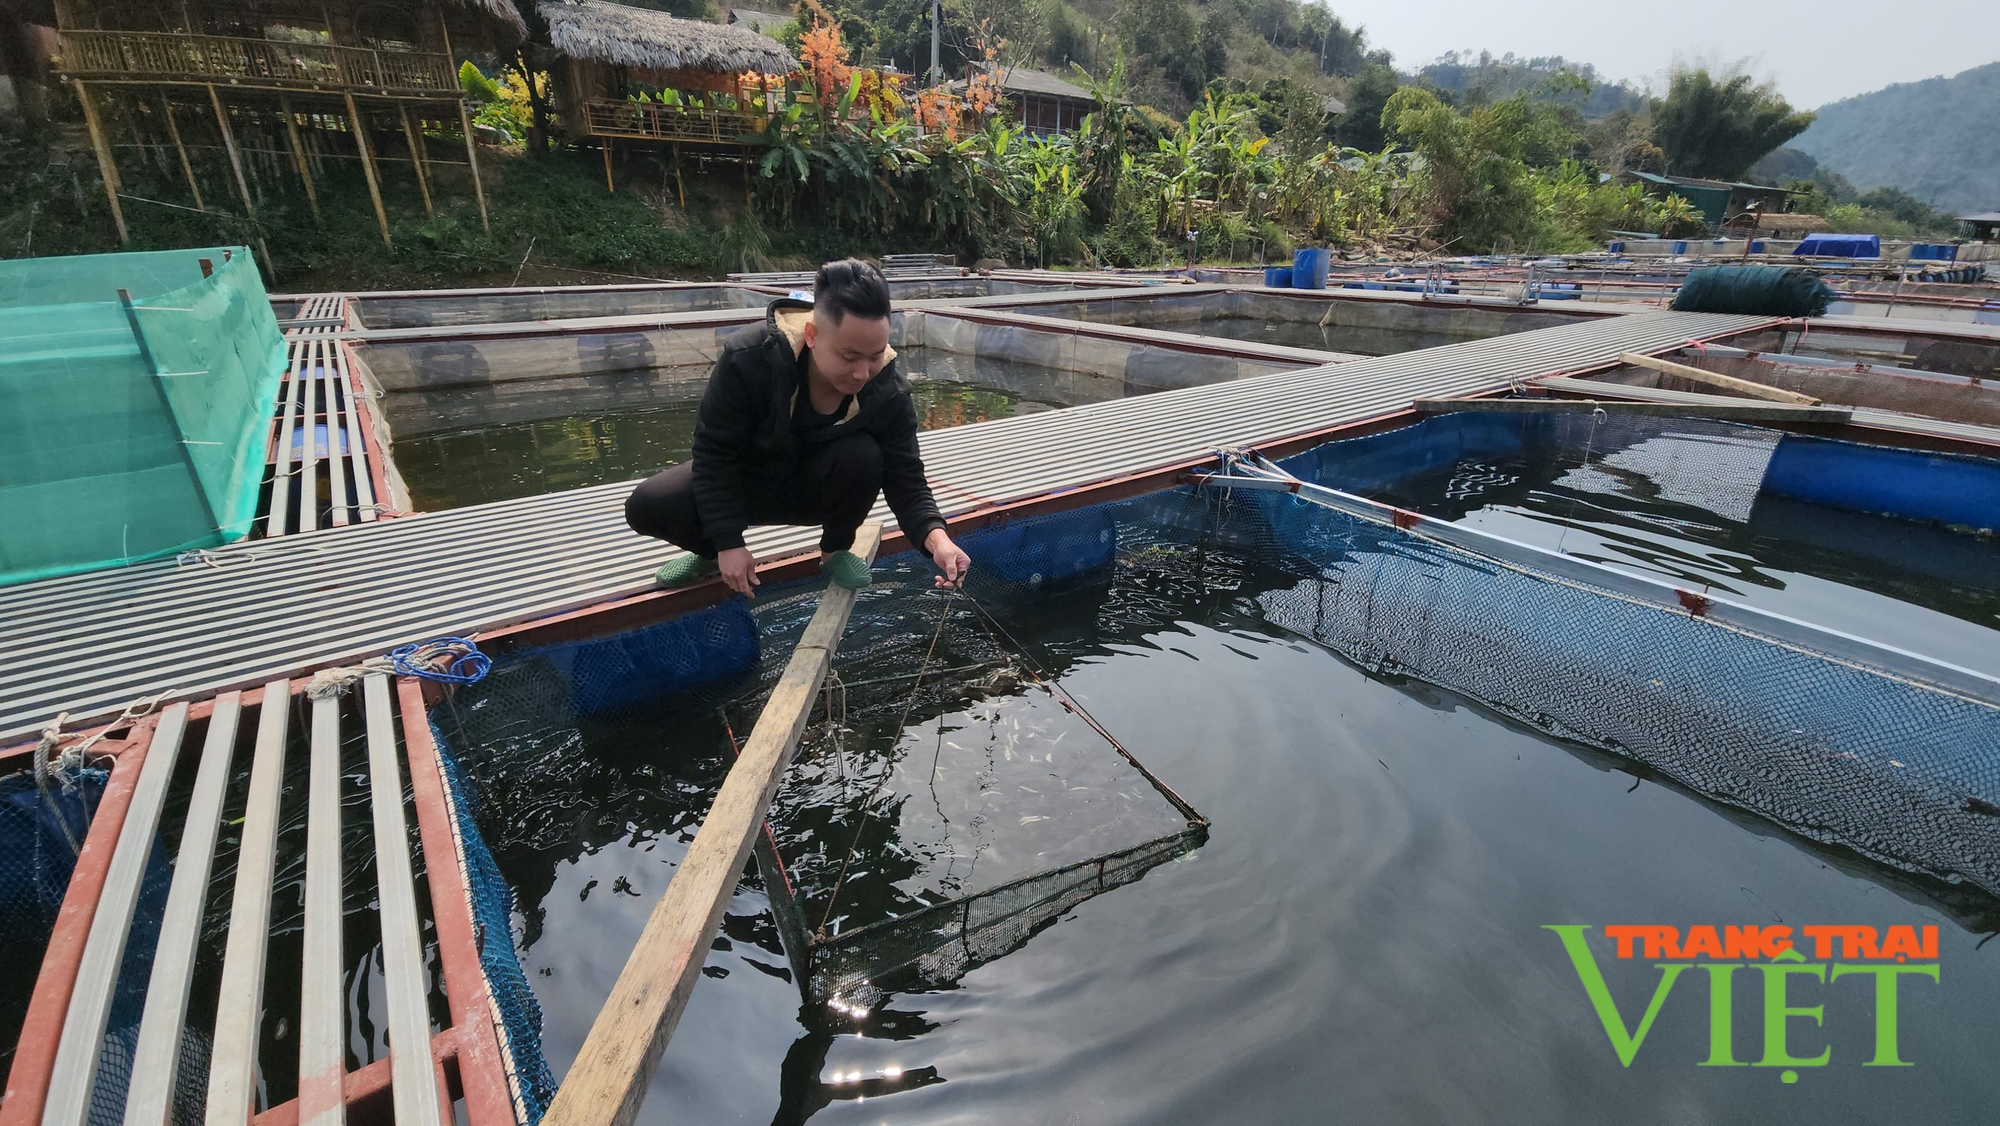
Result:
88,644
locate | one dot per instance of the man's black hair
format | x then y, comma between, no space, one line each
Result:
851,286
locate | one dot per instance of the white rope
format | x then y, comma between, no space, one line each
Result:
214,559
62,767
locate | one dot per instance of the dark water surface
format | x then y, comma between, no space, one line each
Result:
1351,339
461,446
1359,939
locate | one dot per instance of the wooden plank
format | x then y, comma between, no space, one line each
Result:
107,168
309,390
187,169
368,167
608,1082
232,1069
235,156
414,137
414,1081
1715,407
331,386
299,155
74,1075
1688,401
472,159
281,466
357,440
149,1100
1717,379
322,1024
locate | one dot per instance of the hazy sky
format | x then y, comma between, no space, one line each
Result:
1817,53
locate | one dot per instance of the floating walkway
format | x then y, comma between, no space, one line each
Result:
323,431
254,611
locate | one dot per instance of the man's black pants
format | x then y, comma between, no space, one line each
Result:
833,487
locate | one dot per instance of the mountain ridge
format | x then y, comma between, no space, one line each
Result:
1933,138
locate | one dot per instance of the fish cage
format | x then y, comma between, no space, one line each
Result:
949,800
1335,321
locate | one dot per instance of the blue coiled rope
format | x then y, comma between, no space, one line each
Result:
447,660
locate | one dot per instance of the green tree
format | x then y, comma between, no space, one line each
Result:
1718,128
1361,127
1163,35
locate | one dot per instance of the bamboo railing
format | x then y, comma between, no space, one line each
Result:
145,56
650,121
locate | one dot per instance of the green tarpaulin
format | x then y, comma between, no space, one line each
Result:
131,433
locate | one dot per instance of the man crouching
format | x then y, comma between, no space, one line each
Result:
805,421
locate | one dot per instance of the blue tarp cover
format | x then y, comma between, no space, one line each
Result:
1841,246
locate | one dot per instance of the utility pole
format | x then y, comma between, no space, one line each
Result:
937,72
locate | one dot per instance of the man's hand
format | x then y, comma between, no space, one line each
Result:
949,558
739,570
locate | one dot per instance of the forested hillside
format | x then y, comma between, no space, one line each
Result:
1938,139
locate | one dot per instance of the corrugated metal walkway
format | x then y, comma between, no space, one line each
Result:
88,644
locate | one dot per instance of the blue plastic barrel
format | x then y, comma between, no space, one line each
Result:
1309,267
1278,277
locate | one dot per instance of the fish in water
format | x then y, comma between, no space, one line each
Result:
1002,680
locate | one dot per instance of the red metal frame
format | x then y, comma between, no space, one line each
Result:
28,1081
466,1056
476,1054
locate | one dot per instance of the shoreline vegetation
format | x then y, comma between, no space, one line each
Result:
1234,132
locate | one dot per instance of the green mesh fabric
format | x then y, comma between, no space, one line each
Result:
109,452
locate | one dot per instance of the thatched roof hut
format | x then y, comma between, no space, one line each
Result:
502,10
597,31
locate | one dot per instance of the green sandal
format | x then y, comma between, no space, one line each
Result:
685,570
846,569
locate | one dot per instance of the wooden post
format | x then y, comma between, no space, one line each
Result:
187,169
609,187
608,1081
368,168
444,32
235,157
299,155
106,168
414,137
472,158
1717,379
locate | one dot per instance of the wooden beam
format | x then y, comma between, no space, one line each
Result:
1714,406
232,1073
368,168
149,1095
1717,379
1571,385
187,169
609,187
322,1033
299,155
414,137
235,157
414,1081
106,167
608,1082
74,1074
472,158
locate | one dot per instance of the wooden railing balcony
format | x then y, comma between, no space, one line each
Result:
650,121
148,56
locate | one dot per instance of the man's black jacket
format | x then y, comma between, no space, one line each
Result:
743,436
